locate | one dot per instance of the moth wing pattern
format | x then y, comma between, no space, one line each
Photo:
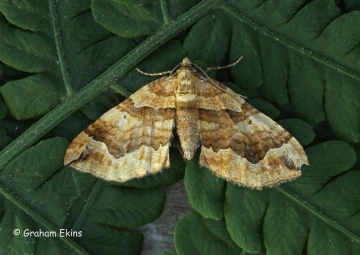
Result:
238,143
242,145
132,139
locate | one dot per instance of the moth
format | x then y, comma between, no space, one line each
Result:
238,143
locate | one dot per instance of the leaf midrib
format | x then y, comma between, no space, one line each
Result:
328,62
87,206
327,220
60,49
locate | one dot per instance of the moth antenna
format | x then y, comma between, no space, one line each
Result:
158,74
153,74
221,67
212,81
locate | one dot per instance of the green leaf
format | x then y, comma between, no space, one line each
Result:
3,110
341,106
64,61
327,159
265,107
101,239
94,109
146,16
352,5
127,207
77,121
114,16
301,130
305,213
31,96
204,189
4,138
244,210
196,235
216,31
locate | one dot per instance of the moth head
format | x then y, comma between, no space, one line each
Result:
185,62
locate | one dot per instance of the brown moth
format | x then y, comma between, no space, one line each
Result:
238,143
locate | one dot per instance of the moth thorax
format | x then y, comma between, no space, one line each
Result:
186,82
